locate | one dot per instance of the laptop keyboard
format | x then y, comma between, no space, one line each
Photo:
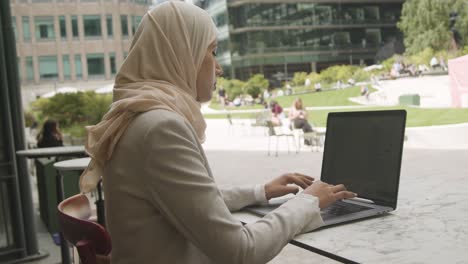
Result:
341,208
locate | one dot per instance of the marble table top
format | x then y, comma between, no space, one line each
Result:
52,152
429,225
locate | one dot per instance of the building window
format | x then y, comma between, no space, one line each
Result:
113,67
124,24
74,22
13,24
92,26
26,31
95,64
66,67
29,69
48,67
109,25
220,19
135,22
63,27
78,67
44,28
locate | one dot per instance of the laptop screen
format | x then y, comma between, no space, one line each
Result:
363,151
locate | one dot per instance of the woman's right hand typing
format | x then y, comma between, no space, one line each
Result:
328,193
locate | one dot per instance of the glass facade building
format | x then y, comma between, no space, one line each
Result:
272,37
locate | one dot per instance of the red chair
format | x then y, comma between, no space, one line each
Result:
90,239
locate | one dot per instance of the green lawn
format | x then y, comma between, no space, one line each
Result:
217,106
324,98
416,116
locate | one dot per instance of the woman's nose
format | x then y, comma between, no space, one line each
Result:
219,70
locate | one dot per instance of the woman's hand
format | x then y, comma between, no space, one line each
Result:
328,193
281,185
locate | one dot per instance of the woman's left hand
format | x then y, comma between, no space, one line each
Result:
281,185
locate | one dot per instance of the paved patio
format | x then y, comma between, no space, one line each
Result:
237,167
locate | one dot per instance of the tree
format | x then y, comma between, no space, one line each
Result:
256,85
233,87
314,77
337,73
73,110
425,24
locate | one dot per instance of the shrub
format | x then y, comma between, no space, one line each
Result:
256,85
337,73
233,87
29,119
465,50
360,75
314,77
422,57
299,78
73,109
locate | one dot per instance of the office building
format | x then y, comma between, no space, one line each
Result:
278,38
72,42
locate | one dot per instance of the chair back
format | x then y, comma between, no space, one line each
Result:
91,239
271,128
229,118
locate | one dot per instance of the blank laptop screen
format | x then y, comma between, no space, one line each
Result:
363,151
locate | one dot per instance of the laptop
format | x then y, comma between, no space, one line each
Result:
363,151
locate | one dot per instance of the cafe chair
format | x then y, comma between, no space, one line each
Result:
90,239
272,133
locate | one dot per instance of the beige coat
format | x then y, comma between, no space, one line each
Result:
163,205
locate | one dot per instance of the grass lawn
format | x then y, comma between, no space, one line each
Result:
324,98
416,116
217,106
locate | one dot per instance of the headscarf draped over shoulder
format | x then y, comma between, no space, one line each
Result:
159,73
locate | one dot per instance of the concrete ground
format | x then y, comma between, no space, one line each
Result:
434,91
251,167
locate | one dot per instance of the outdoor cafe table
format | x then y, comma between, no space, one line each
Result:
65,151
56,152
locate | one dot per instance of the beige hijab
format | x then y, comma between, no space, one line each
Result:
159,73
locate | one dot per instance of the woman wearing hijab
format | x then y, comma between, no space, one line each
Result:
162,203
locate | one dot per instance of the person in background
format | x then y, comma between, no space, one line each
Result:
50,135
222,96
434,63
442,63
318,87
298,117
365,91
277,116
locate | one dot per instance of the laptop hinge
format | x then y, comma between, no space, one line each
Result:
362,200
